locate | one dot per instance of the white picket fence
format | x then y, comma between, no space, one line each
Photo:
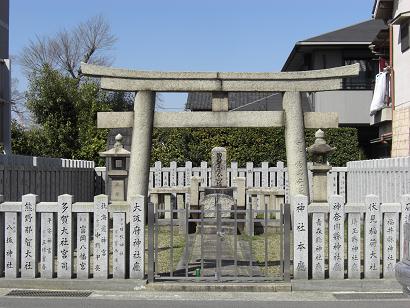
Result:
374,225
263,176
388,178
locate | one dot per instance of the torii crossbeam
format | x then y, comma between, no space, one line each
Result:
143,119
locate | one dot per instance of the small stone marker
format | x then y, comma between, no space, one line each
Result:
389,243
119,245
28,237
300,233
100,237
47,245
372,237
336,237
354,248
219,175
83,245
11,245
137,233
318,245
64,234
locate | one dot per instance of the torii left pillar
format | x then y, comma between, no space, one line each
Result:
141,143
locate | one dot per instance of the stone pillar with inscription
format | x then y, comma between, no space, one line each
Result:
218,174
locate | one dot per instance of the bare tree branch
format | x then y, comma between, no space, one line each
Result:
89,42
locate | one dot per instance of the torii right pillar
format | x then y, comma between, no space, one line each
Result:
295,144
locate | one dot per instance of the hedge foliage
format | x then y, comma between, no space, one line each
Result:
244,144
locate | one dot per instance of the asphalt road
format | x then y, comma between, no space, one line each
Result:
146,299
100,303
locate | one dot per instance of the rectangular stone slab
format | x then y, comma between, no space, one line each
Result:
300,234
100,267
137,232
28,237
217,119
83,245
47,245
390,227
336,237
64,237
372,237
318,245
119,245
354,246
11,245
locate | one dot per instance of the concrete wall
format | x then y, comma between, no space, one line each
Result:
4,31
352,105
401,66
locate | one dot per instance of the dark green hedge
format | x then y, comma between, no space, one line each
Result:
244,144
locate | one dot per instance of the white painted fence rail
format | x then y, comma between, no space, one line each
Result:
256,176
37,239
374,225
388,178
47,177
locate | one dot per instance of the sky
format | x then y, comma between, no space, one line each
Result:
190,35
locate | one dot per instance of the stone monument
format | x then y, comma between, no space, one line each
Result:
219,195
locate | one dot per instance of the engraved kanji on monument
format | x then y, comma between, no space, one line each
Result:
318,245
119,245
300,241
47,245
64,237
336,237
11,245
390,224
372,237
83,245
28,236
100,266
137,232
219,175
354,248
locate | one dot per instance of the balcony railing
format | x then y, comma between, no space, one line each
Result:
354,84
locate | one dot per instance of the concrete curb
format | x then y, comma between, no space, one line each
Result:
220,287
354,285
74,284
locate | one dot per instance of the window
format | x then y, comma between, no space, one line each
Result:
365,80
404,36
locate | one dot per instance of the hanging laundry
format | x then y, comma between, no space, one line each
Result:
379,94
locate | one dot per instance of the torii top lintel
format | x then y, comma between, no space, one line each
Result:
116,79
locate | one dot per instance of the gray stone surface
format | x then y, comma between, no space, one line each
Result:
64,237
83,245
119,244
218,173
318,245
295,144
354,246
300,237
220,101
47,245
372,237
405,217
12,245
336,237
217,119
137,232
181,213
29,259
97,70
209,202
141,144
101,240
390,228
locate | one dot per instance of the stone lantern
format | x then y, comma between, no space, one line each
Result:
117,168
320,151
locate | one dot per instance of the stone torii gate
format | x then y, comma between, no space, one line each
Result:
143,119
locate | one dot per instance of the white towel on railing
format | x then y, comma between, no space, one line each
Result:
379,95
